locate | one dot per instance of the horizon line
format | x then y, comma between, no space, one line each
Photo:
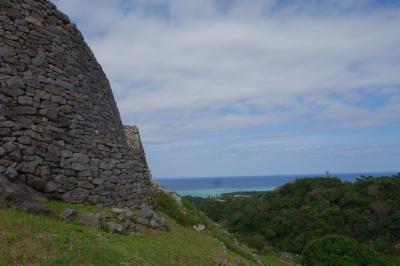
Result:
332,174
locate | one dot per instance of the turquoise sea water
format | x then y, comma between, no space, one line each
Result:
218,191
214,186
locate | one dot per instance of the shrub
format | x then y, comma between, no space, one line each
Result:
256,241
339,250
166,204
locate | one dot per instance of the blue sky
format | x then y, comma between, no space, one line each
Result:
237,87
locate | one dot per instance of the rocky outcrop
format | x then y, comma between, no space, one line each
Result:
19,195
126,221
61,132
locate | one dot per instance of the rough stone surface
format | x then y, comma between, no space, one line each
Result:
90,219
133,138
147,217
114,227
59,124
118,211
19,195
11,172
199,227
118,220
68,215
146,213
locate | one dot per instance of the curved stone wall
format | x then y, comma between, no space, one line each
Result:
60,128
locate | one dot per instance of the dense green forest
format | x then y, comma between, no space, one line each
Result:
316,217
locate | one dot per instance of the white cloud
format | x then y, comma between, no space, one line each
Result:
175,65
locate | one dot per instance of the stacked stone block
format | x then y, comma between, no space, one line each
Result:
60,128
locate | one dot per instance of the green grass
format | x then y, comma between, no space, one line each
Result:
193,216
58,207
27,239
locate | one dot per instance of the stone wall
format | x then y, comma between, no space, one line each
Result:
133,138
134,142
60,128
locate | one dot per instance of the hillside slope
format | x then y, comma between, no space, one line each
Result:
27,239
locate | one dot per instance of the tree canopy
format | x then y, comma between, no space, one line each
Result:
295,214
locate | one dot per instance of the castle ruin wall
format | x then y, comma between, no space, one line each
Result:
60,128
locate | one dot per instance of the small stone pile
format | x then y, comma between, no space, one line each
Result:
139,219
124,221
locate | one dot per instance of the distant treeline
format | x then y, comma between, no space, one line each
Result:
356,223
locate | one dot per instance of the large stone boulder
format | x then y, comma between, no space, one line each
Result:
20,196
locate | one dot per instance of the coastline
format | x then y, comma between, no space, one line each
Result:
215,192
215,186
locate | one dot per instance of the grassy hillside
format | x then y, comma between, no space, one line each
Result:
33,240
27,239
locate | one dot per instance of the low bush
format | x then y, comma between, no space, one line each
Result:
339,250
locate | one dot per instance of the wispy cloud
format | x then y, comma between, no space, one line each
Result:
190,70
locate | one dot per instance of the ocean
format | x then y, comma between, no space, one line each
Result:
214,186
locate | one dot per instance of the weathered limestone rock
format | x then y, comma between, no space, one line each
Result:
199,227
114,227
60,129
146,216
146,213
118,211
78,195
68,215
20,196
11,172
126,221
90,219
